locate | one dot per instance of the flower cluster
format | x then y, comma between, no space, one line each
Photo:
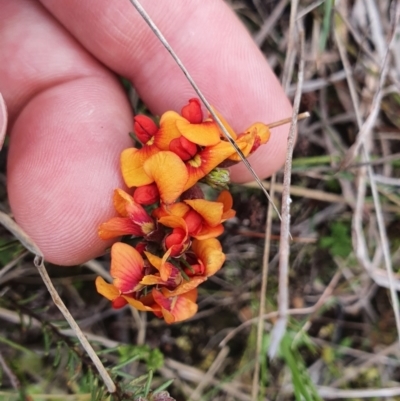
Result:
172,229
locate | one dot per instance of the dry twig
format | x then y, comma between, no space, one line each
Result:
283,295
111,387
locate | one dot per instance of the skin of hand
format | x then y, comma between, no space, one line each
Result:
68,116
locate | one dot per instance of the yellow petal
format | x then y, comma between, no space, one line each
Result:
209,251
203,134
245,142
108,291
169,173
210,211
226,198
185,287
140,306
262,131
121,199
225,124
209,232
258,134
160,264
152,279
168,129
173,222
132,160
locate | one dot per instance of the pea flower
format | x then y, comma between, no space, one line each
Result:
166,209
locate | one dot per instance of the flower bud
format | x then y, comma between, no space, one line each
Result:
183,148
194,222
119,303
145,128
147,194
192,112
176,241
218,178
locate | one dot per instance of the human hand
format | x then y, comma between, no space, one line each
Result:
69,117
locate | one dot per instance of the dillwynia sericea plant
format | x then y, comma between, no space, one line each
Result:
174,227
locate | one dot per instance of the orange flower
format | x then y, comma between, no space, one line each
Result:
178,307
206,160
127,268
109,291
203,218
134,219
253,137
225,198
183,228
164,168
209,253
177,241
165,268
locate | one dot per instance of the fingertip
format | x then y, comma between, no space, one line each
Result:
64,165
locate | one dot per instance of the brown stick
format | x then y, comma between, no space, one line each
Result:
288,120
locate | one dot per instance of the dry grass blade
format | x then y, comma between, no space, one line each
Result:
369,123
270,22
334,393
364,133
208,106
322,196
283,295
17,231
74,326
211,373
385,245
263,293
10,374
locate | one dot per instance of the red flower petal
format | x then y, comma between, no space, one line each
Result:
145,128
192,111
117,227
183,148
146,194
194,222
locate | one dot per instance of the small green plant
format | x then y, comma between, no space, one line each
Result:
303,387
339,241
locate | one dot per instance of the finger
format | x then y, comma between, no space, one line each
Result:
213,45
70,121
